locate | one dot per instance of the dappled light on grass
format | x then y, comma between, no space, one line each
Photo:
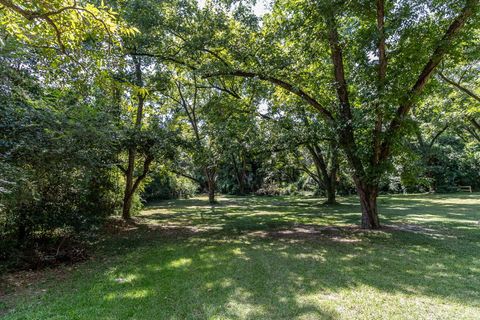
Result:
133,294
248,260
180,263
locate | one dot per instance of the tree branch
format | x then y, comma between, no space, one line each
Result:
347,135
382,55
437,56
382,72
475,123
165,58
186,176
31,15
439,133
146,168
283,84
217,56
119,166
459,87
223,89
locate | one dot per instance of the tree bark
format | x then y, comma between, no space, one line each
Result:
327,179
330,191
211,194
127,204
243,176
127,196
211,189
368,202
332,181
130,184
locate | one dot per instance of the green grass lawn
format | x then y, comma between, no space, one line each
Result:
277,258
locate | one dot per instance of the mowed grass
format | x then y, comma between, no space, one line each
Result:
278,258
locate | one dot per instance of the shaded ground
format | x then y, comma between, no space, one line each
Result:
276,258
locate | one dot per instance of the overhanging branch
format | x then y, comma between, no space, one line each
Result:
441,50
281,83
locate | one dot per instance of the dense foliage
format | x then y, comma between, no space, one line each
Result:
105,107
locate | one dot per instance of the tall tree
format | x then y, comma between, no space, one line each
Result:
194,101
60,24
302,48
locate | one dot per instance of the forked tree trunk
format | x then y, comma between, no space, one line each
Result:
210,177
368,201
130,184
211,191
327,179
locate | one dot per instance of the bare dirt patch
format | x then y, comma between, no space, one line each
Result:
27,283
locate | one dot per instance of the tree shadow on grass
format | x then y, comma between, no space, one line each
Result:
236,263
259,210
248,277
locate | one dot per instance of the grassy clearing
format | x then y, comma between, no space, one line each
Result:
278,258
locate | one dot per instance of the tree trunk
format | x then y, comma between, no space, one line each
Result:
368,201
210,177
211,191
129,173
239,175
132,184
127,205
327,180
243,176
332,175
128,195
331,190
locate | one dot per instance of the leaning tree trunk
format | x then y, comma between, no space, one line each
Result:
132,185
327,180
368,202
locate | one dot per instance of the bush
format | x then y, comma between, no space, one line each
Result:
164,186
57,178
274,189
